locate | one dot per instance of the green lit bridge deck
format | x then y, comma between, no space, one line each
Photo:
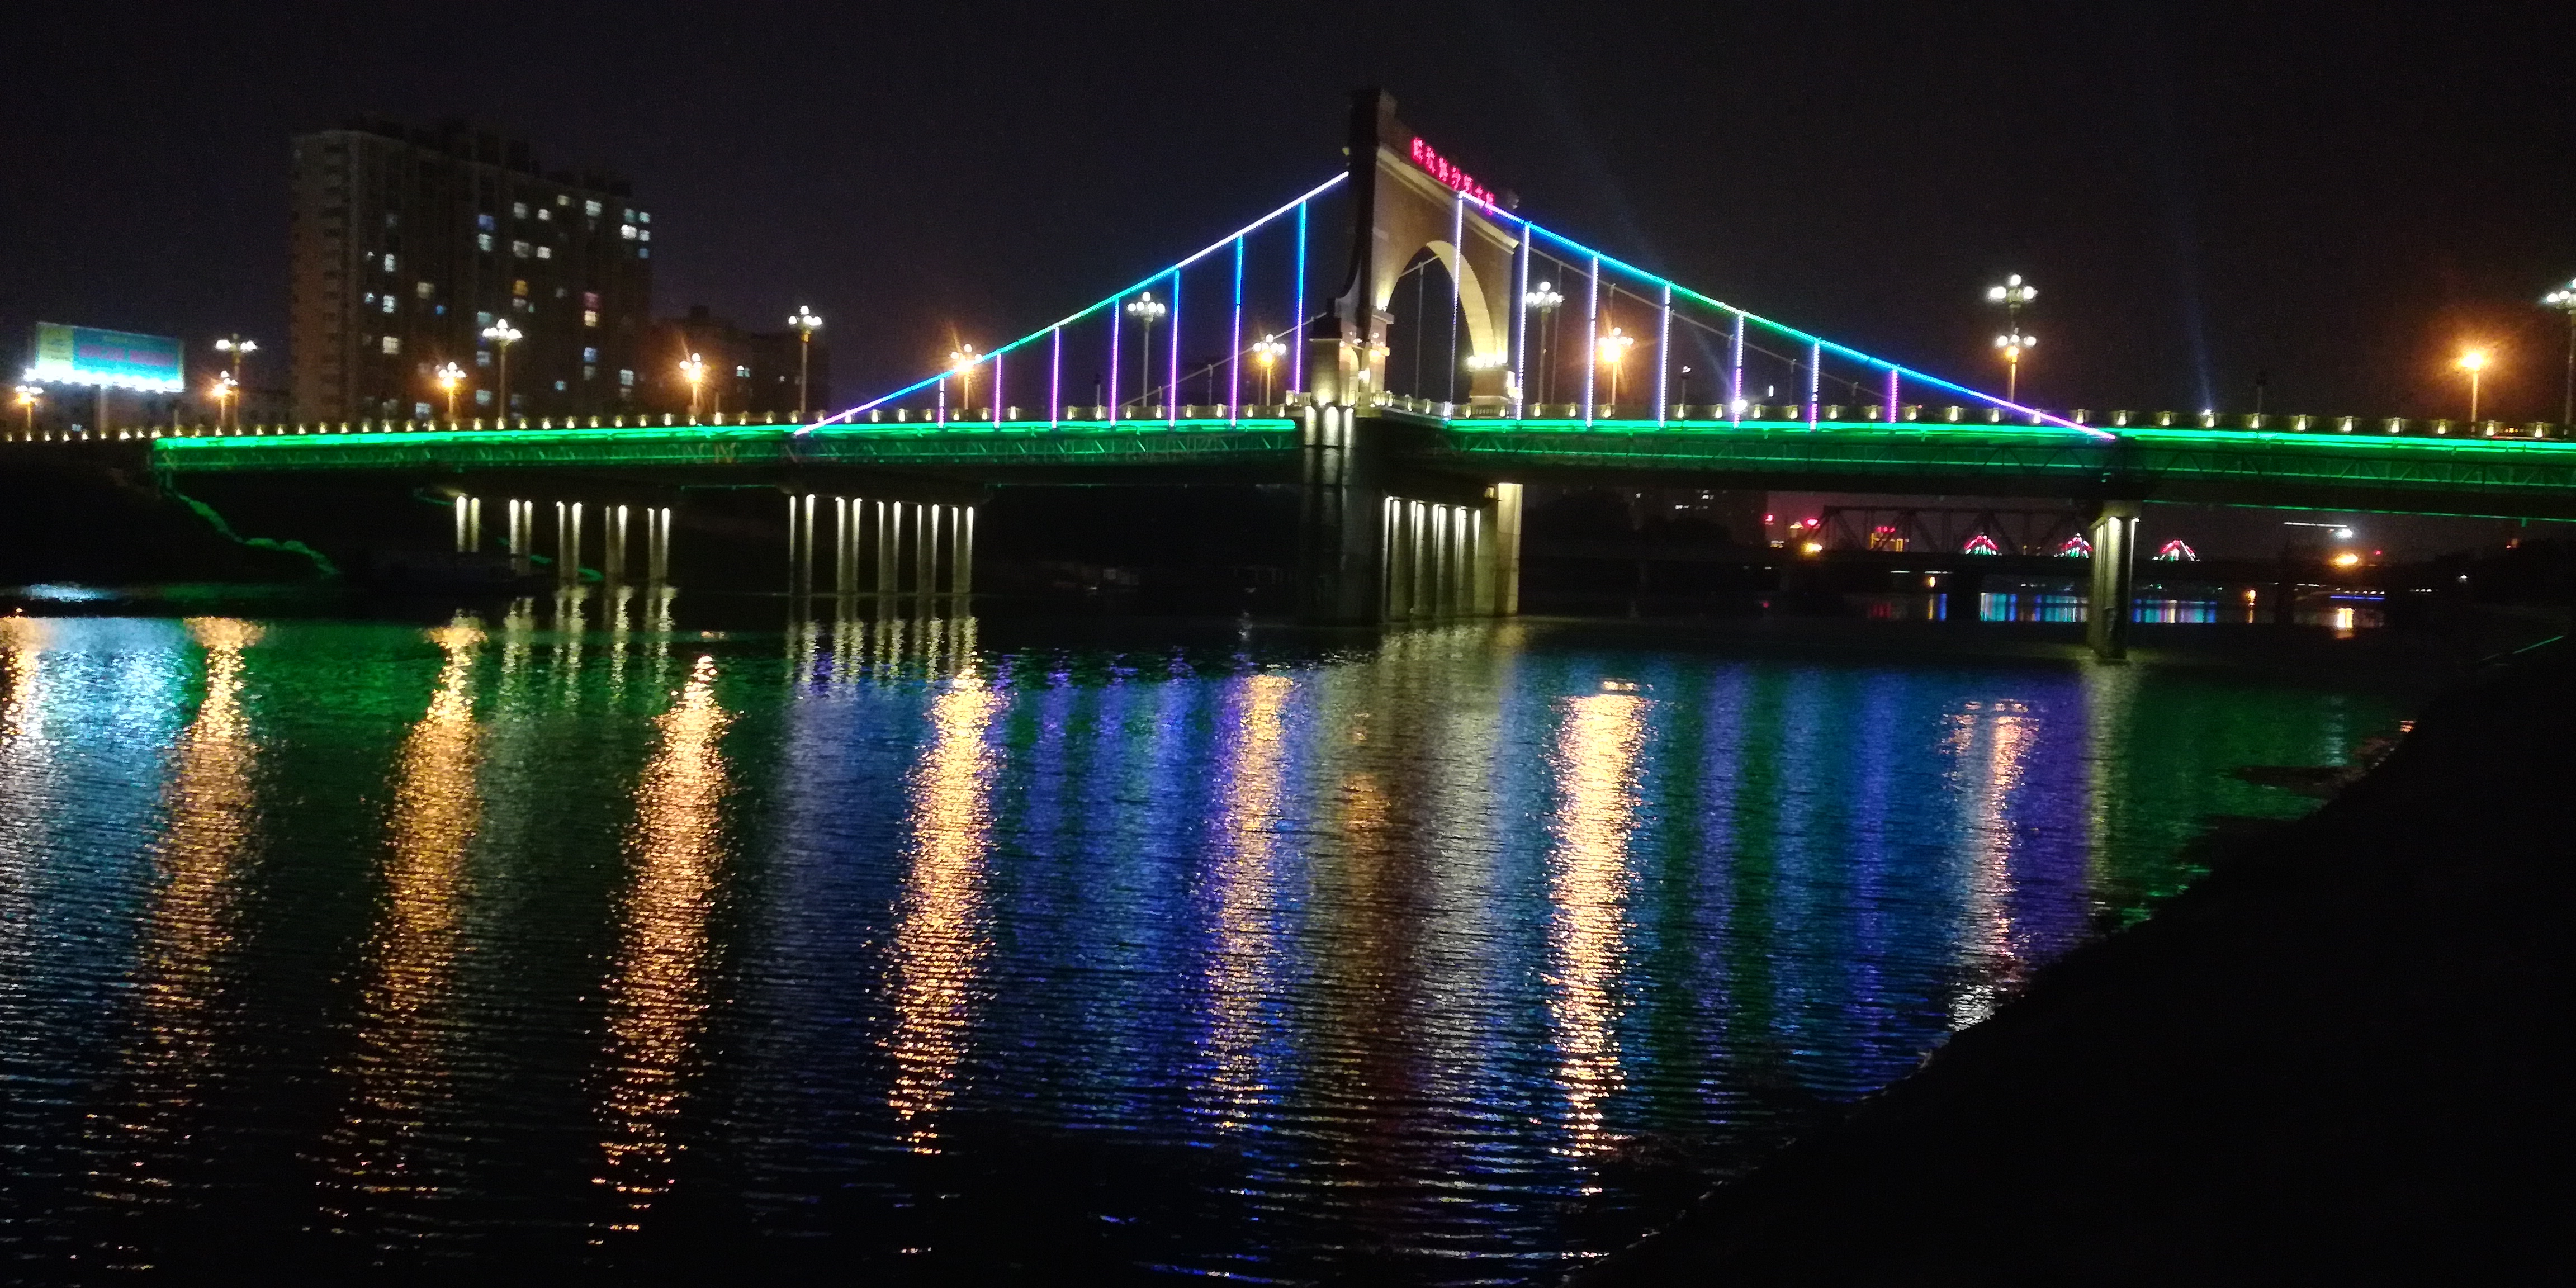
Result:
2360,471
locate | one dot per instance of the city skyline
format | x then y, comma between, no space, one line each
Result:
917,215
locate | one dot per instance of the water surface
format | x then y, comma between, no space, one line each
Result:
875,945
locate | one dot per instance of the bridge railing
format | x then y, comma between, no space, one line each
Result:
636,420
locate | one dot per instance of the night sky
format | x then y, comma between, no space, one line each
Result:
2205,193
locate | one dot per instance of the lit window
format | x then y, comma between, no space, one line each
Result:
544,215
519,249
625,377
423,290
545,252
420,411
371,297
393,344
626,231
590,317
646,235
589,354
482,319
482,397
562,199
441,310
389,302
590,299
643,252
389,263
392,220
589,372
485,223
518,210
644,216
482,241
590,208
629,215
482,357
559,386
742,373
519,287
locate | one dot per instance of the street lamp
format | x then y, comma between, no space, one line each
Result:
2564,300
2013,345
503,335
28,397
222,391
1614,350
1146,309
240,349
694,370
1267,351
449,377
806,322
961,362
2473,361
1544,299
2013,294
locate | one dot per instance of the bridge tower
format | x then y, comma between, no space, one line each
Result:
1348,545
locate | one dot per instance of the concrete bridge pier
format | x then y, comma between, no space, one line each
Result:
568,542
1451,559
657,545
469,524
2115,579
612,552
1341,522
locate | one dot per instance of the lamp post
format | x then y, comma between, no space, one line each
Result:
240,349
2564,300
2013,294
694,370
1267,351
1146,309
2473,361
962,360
2014,344
449,377
503,335
223,391
28,397
1614,351
1544,298
806,322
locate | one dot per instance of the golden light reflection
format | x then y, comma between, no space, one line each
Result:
1595,762
1240,964
657,994
2009,732
939,941
400,1065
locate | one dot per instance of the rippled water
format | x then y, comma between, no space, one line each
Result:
877,945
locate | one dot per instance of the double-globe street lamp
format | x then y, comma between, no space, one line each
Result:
1148,310
1544,299
503,335
961,363
449,377
807,322
694,371
28,397
239,349
2013,294
1267,351
2474,361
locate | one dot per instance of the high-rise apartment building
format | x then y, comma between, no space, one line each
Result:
408,244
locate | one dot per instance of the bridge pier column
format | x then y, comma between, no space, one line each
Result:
925,548
473,523
845,555
612,542
2115,579
961,558
800,544
889,518
657,544
1343,521
1507,550
463,506
567,543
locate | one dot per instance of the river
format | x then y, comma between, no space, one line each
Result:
933,945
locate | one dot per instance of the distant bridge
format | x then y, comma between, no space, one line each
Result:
1411,483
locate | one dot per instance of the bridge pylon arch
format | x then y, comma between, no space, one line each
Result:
1399,208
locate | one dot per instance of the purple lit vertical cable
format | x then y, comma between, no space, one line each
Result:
1663,359
1815,370
1520,330
943,400
1297,350
1735,384
1172,381
1457,284
993,390
1591,335
1892,415
1055,380
1234,354
1116,308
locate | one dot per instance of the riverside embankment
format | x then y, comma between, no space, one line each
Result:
2338,1058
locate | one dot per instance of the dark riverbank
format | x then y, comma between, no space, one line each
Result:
2338,1058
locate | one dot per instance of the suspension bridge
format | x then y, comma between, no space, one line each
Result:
1394,344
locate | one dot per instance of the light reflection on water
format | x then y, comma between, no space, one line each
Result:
1235,958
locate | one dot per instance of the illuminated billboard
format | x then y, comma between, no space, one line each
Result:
79,355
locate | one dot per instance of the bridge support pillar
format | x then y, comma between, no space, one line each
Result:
2115,579
464,506
1506,556
612,544
961,555
800,544
925,547
1343,522
657,544
567,542
889,522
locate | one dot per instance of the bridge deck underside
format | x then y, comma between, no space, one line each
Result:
2439,476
